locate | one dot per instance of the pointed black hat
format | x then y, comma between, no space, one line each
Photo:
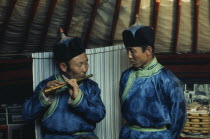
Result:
138,35
68,48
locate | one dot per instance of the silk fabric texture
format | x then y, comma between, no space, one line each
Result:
60,120
152,97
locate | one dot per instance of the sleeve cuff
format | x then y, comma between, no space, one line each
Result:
78,99
45,101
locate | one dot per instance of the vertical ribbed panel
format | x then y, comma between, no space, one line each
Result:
43,67
106,64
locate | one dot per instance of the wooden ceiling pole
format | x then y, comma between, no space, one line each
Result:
46,25
92,19
28,24
156,11
177,24
114,22
195,38
136,13
69,16
3,27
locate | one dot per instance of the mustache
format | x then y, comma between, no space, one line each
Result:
83,74
132,61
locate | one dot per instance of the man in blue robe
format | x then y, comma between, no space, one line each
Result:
152,100
72,111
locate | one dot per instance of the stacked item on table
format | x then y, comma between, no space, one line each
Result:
198,119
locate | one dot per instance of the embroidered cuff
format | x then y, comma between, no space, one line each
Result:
78,99
45,101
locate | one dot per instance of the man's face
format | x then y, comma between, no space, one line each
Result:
77,67
137,57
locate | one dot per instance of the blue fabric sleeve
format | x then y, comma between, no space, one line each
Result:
121,88
90,106
177,108
123,79
35,106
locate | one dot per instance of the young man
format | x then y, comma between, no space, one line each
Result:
152,101
72,111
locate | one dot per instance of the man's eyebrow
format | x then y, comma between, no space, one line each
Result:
131,49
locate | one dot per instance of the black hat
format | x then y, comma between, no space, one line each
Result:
138,36
68,48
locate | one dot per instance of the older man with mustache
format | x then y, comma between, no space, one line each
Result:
70,112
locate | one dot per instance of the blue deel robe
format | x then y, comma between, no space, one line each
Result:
61,120
152,97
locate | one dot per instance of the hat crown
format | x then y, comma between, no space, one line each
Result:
133,29
138,35
67,48
64,38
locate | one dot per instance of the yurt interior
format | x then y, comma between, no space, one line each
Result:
30,29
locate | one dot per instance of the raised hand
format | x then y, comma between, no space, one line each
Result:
51,84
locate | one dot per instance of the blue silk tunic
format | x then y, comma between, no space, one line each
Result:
63,120
152,97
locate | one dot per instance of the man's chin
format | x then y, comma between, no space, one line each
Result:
136,66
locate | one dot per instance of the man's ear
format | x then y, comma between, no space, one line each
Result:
63,67
149,50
